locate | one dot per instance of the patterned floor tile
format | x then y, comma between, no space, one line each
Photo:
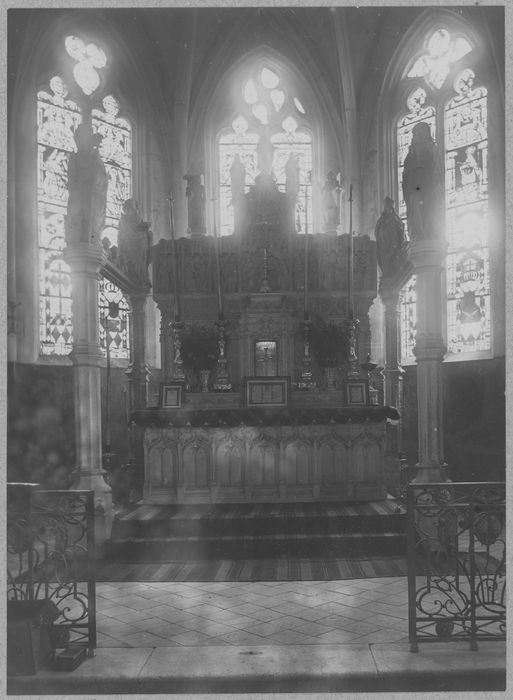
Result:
242,638
146,639
289,637
336,637
192,639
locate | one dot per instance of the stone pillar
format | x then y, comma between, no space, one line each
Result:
137,372
137,375
85,260
428,256
393,376
393,372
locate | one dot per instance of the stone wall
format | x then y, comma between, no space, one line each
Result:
474,419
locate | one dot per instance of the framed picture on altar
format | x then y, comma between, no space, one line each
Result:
357,392
171,395
266,392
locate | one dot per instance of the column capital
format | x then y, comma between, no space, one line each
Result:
427,253
84,257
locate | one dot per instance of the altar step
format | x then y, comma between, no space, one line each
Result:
150,533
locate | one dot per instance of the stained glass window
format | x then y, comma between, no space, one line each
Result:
114,320
88,59
466,186
418,111
57,119
460,126
442,51
116,153
408,320
268,108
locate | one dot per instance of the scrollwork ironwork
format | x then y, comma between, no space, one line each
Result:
50,557
457,555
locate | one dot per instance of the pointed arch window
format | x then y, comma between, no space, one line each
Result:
456,110
57,118
269,116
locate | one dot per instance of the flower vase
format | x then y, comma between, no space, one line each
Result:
204,377
331,378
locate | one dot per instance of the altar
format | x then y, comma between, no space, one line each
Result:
227,453
263,394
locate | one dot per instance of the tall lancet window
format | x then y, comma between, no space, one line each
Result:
445,93
57,119
269,133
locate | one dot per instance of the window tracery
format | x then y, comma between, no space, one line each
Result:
267,108
57,117
457,115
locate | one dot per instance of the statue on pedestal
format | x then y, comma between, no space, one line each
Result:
423,182
134,243
195,193
330,202
87,187
390,239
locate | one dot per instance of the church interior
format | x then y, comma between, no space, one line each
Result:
256,294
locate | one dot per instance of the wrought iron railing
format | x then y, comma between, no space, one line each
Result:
51,557
456,562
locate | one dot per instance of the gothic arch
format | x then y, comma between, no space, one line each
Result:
38,62
392,93
210,113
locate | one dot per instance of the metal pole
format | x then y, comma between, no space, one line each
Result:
176,299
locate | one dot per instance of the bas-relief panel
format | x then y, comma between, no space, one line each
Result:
343,462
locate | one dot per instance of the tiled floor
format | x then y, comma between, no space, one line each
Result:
187,614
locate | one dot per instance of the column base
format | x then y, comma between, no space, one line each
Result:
103,511
430,474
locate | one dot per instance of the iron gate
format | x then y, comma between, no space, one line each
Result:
50,557
456,562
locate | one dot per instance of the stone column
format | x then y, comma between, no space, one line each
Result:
428,258
85,260
137,375
393,372
423,189
137,372
393,376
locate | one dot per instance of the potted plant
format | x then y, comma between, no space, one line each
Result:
199,352
328,341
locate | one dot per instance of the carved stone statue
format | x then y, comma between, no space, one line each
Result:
195,193
390,238
134,243
87,186
423,185
330,202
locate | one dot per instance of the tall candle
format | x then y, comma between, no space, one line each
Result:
176,298
220,307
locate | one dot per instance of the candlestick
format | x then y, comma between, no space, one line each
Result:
176,299
178,370
306,380
220,305
222,380
264,287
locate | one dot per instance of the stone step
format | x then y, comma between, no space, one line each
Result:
355,545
